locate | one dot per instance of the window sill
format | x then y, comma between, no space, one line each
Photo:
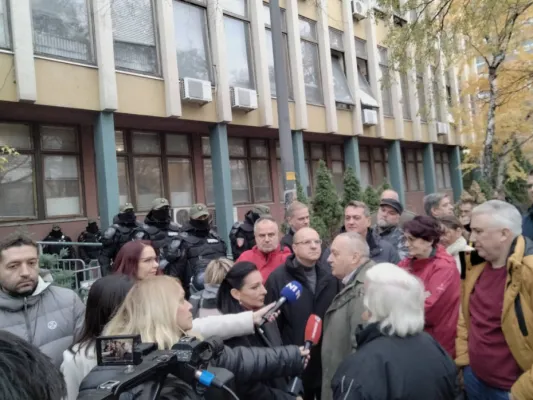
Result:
42,221
388,116
139,74
63,61
275,98
316,105
7,51
408,120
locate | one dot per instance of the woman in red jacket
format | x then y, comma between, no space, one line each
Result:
430,262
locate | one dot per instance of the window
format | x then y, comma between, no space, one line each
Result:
238,40
385,81
192,43
436,93
340,83
332,155
365,91
63,29
5,37
442,170
249,162
413,170
268,33
421,96
406,106
43,181
152,165
311,63
374,168
134,36
337,166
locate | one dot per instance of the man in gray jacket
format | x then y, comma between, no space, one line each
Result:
388,225
30,307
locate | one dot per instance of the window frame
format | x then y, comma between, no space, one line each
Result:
328,159
337,52
316,47
444,166
7,21
367,156
418,168
38,155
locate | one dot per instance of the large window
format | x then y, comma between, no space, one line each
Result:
63,29
268,33
43,181
386,97
374,168
249,163
363,76
134,36
314,152
192,43
442,170
340,83
238,43
337,166
413,170
5,37
406,106
152,165
311,63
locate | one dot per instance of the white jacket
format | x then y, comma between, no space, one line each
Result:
77,366
455,248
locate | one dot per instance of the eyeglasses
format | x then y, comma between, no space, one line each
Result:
318,242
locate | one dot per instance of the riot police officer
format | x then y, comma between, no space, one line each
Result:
124,229
62,251
196,245
91,234
241,235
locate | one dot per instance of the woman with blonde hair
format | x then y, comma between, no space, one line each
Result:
204,302
156,309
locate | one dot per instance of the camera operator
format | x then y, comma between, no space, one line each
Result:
161,300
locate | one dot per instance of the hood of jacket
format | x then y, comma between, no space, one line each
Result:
458,246
16,304
210,290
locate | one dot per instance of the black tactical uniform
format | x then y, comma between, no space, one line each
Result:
91,234
125,228
197,244
56,235
241,235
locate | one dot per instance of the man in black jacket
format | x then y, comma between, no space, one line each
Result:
297,218
319,289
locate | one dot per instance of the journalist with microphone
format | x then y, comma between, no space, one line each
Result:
319,287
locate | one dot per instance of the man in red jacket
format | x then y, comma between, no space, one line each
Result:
266,254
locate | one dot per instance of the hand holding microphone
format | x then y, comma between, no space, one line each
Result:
259,314
289,294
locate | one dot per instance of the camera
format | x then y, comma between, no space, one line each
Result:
188,360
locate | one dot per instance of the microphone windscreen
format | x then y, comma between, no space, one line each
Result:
313,329
292,291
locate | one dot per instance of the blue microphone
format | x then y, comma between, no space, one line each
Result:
289,294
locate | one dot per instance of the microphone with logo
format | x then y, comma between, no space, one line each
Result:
289,294
313,332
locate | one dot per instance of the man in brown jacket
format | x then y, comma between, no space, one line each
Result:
495,331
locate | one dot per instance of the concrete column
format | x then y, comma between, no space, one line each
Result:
22,37
396,169
431,113
454,86
373,69
351,155
218,139
455,172
299,160
106,168
430,178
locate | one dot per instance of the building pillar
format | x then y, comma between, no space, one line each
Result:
430,179
351,155
455,173
218,139
299,161
396,169
106,168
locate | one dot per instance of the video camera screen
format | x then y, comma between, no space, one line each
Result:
117,350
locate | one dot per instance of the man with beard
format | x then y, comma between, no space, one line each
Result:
30,307
125,228
388,225
194,247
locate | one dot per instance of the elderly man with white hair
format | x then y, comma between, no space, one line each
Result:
395,358
495,331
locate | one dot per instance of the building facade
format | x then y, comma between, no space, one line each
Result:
108,101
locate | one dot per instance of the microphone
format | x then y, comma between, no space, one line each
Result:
313,332
289,294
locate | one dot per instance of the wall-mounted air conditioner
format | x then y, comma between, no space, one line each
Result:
243,99
196,91
443,128
359,9
370,117
376,6
180,215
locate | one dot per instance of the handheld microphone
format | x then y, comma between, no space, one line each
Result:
289,294
313,332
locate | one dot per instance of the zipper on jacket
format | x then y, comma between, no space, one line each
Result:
27,319
520,315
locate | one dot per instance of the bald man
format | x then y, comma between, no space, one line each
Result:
319,289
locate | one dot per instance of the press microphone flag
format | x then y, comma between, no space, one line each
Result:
289,294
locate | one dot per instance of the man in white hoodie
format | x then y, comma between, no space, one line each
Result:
30,307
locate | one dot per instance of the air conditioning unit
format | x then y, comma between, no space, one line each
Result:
180,215
370,117
196,91
443,128
359,9
243,99
376,6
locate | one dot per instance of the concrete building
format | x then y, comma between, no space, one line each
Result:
109,101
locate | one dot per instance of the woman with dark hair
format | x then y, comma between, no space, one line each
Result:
430,262
105,296
138,260
454,241
242,289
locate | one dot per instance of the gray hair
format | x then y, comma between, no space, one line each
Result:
358,204
502,215
395,299
263,219
294,206
357,243
432,201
